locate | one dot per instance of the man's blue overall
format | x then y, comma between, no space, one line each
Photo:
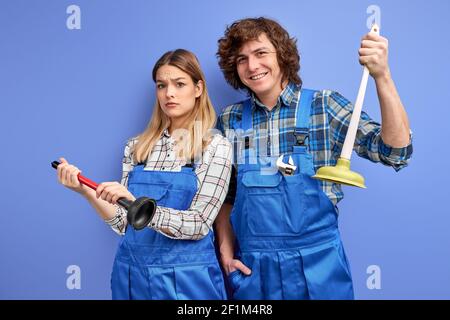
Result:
286,226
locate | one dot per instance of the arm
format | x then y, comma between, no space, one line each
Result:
395,130
67,176
118,221
394,124
213,176
368,143
225,235
226,239
224,231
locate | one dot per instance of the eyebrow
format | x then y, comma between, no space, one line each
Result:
256,50
176,79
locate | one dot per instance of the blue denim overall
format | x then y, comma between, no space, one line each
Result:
286,226
149,265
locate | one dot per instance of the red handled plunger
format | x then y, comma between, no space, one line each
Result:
140,212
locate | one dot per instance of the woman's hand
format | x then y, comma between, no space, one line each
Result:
68,176
113,191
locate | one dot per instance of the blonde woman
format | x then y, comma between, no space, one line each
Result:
182,166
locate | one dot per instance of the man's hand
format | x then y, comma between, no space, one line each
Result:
235,264
374,55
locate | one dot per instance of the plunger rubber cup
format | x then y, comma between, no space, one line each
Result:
140,212
341,173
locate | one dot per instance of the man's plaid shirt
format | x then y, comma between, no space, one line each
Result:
330,117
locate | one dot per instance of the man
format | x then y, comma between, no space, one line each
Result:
285,224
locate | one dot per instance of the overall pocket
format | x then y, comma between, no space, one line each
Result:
271,206
157,192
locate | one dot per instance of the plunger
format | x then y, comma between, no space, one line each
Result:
139,212
341,173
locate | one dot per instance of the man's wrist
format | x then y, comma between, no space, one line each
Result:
383,77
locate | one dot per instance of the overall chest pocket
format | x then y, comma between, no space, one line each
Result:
272,206
143,189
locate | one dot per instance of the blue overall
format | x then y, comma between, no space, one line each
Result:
149,265
286,226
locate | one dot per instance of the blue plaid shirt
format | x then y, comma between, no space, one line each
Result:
330,117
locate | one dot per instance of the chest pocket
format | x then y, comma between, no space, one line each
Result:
272,206
155,191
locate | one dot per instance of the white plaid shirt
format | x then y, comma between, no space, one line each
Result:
213,177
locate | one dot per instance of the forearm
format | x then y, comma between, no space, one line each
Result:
224,233
394,125
104,209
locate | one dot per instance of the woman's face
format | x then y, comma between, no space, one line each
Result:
176,92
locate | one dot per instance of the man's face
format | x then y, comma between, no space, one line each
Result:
258,68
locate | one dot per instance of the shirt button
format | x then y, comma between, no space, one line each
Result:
163,168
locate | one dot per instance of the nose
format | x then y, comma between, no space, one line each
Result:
170,91
253,63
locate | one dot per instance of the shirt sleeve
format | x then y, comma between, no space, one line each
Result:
213,176
368,141
223,123
231,194
119,222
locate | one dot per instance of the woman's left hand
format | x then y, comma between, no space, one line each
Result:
113,191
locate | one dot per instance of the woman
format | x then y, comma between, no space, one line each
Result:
174,257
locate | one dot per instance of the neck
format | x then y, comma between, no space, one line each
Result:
175,124
269,99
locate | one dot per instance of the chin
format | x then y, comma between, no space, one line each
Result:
262,87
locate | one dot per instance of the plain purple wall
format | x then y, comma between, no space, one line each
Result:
82,93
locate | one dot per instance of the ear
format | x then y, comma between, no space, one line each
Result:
198,88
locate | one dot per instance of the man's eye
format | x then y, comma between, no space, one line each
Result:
261,53
160,86
241,60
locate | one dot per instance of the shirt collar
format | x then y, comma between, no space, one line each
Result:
286,96
166,133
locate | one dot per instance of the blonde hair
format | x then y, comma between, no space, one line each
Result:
199,122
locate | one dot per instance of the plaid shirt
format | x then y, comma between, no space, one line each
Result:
330,116
213,176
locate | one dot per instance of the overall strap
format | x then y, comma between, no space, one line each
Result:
303,111
246,115
247,127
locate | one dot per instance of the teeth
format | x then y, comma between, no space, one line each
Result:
258,76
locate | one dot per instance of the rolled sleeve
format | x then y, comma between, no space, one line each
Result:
368,141
397,158
119,222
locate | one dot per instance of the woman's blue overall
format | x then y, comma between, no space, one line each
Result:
149,265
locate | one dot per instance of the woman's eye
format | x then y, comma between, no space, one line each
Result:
180,84
261,53
160,86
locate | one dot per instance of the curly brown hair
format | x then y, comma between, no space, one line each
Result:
250,29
